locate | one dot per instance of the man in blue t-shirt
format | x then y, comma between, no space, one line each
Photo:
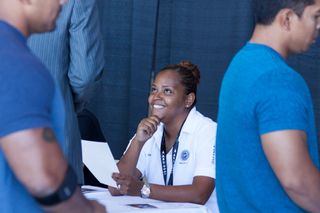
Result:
34,175
267,151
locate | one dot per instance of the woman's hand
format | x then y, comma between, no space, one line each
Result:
128,184
147,128
114,191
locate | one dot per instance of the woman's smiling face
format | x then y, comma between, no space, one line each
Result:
167,99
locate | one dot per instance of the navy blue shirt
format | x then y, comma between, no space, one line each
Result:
28,100
260,93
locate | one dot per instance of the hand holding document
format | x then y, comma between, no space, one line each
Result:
99,160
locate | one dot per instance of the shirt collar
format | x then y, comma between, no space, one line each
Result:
12,32
189,123
187,128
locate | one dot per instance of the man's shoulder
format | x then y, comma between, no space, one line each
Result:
24,78
281,78
23,64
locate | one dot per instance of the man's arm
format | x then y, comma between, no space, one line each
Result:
287,153
86,51
38,163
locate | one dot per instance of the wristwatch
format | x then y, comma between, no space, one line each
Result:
145,190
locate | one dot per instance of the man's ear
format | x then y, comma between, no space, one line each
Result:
190,100
285,18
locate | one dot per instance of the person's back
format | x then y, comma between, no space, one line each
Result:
255,80
20,80
267,151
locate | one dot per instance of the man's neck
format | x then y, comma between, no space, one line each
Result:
271,37
14,17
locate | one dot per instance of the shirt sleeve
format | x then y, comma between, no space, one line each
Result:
86,51
141,164
283,105
27,100
205,154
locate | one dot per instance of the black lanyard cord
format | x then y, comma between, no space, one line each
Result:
164,158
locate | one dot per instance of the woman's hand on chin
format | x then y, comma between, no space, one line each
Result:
146,128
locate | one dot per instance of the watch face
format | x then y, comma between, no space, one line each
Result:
145,191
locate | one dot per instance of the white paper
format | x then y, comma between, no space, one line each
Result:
99,160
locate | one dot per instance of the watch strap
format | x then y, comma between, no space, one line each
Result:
63,193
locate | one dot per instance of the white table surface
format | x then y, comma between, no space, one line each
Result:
116,204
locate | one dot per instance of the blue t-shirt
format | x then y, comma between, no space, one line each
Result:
260,93
28,100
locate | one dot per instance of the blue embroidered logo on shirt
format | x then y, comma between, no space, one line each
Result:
185,155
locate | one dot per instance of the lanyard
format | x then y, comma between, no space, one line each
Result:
164,158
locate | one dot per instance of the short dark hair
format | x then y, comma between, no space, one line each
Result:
265,11
190,76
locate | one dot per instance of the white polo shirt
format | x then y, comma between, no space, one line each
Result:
195,157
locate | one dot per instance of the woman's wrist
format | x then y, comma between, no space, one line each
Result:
138,141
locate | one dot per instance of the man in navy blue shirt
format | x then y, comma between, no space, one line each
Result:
267,151
34,175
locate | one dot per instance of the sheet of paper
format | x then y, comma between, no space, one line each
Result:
98,158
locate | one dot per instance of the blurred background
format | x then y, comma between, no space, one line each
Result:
142,36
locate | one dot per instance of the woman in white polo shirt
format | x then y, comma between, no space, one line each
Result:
174,148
